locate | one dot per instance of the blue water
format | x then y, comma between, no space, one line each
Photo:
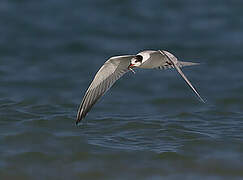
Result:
149,125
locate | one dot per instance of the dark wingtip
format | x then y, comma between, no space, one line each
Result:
77,123
79,117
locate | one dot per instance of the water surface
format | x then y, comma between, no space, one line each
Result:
149,125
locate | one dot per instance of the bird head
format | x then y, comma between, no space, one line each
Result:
139,59
136,61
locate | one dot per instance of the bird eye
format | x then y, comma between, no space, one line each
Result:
138,58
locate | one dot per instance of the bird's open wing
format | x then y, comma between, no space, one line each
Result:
177,66
107,75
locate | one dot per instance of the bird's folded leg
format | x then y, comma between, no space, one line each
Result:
132,70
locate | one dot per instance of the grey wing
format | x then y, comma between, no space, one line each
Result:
177,64
108,74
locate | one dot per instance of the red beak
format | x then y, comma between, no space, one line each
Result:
130,66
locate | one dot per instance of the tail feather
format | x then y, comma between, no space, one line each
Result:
183,64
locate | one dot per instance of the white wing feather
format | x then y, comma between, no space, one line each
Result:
107,75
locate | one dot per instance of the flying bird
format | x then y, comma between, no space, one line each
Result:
117,66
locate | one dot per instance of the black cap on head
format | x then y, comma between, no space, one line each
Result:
138,58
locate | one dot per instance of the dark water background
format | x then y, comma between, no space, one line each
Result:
149,125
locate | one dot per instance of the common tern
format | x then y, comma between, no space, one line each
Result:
117,66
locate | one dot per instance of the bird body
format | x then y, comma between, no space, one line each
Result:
150,59
117,66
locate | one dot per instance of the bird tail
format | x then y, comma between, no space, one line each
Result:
183,64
